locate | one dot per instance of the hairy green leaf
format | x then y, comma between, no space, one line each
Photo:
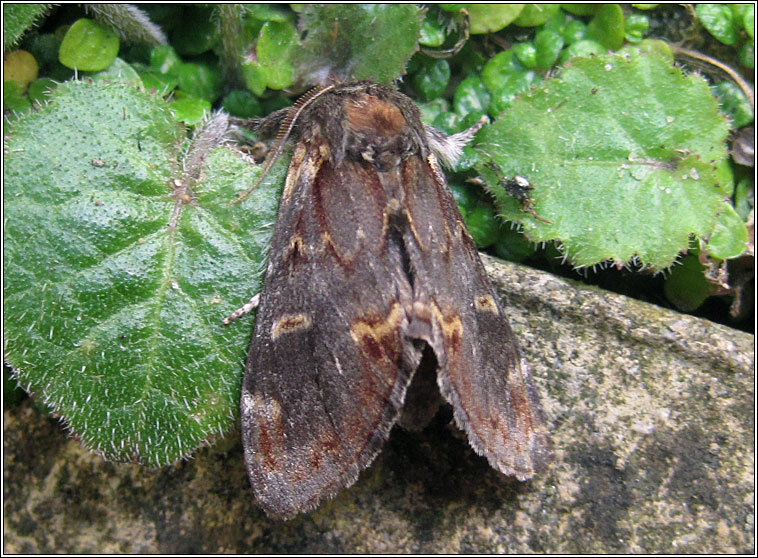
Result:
123,254
343,41
18,18
626,155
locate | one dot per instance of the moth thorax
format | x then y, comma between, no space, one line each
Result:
370,115
377,132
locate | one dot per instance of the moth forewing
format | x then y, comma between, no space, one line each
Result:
370,263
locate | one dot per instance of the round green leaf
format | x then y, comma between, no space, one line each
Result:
21,67
164,59
748,20
448,122
536,14
635,27
268,12
190,110
585,48
199,80
482,225
88,46
274,49
575,31
526,53
607,27
686,287
511,244
432,33
465,197
44,48
548,45
40,89
242,104
498,68
718,19
488,18
468,159
581,9
14,98
734,103
431,79
432,109
471,96
730,235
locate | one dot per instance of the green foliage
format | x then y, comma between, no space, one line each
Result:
40,90
275,48
720,22
122,255
471,96
607,27
19,18
548,45
635,27
533,15
189,110
198,34
199,80
242,104
432,33
581,9
343,40
686,287
14,99
88,46
617,129
734,103
113,318
488,18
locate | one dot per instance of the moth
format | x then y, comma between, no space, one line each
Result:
374,304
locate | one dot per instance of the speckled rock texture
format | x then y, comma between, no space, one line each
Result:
653,421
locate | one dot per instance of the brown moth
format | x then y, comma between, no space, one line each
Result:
372,282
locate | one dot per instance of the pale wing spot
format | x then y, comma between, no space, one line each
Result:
449,322
290,323
486,303
296,168
378,329
255,404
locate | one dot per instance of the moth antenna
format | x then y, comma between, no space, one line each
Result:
284,133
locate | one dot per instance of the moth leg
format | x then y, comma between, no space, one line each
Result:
246,308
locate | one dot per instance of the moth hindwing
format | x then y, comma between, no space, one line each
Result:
371,277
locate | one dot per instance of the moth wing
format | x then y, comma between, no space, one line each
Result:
482,373
328,365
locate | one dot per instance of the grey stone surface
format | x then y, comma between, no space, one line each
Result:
653,421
